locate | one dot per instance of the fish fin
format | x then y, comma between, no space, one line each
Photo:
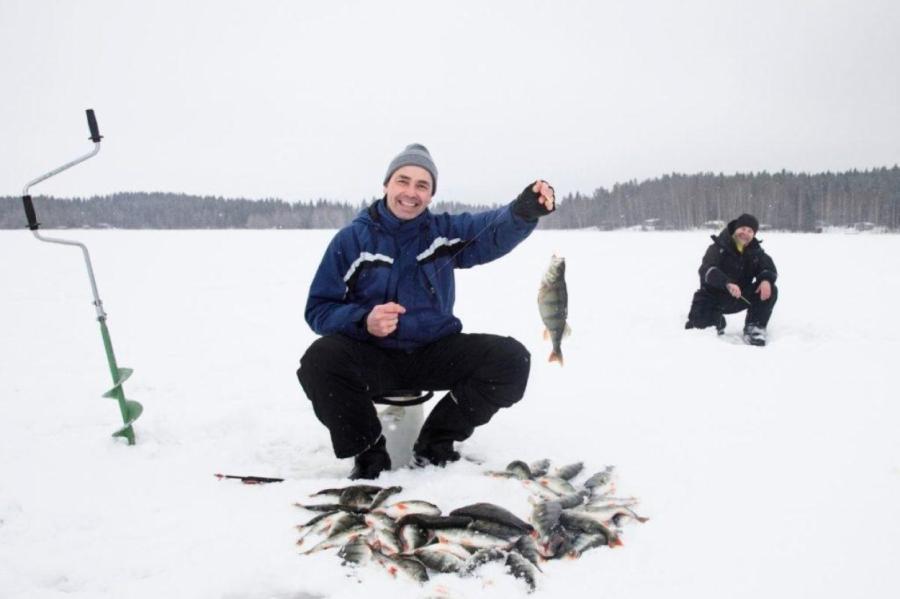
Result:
568,330
555,357
546,334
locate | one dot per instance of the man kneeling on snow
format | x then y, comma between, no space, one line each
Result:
382,299
736,274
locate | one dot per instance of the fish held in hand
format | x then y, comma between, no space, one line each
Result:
553,304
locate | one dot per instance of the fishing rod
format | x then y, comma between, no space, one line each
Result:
130,410
486,227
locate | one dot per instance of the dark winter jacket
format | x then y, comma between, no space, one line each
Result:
723,264
379,258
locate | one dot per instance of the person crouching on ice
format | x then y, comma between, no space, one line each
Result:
736,274
382,299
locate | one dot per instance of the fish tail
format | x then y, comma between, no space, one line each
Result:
556,357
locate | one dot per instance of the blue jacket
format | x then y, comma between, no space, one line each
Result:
378,258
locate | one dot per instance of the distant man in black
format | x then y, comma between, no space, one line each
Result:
736,274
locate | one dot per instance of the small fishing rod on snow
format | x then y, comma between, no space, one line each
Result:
129,409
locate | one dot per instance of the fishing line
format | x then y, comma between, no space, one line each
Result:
468,243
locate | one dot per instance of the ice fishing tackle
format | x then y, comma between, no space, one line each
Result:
129,409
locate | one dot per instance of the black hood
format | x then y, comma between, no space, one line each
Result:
725,239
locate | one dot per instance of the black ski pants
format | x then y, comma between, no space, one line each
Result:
707,305
341,376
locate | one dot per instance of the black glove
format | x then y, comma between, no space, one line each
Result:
527,205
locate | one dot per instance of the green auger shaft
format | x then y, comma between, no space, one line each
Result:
130,410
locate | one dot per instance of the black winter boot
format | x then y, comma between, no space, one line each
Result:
720,325
444,425
754,335
439,453
372,462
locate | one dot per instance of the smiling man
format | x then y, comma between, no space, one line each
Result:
382,301
736,274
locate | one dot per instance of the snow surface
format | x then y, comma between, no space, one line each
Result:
766,472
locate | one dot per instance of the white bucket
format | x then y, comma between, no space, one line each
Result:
400,426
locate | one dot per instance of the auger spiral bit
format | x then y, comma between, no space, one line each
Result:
129,409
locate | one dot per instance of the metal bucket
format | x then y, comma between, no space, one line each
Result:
400,426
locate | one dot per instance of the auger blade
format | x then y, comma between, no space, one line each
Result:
134,411
123,375
130,409
127,432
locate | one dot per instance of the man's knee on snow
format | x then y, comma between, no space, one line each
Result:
701,318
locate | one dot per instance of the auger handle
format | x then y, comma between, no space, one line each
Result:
33,224
92,124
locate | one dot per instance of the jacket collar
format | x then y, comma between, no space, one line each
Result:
382,216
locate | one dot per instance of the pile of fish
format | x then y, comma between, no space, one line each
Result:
412,539
568,519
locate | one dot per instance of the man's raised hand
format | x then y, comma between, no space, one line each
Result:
546,197
535,201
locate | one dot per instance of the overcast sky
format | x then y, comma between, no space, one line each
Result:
302,100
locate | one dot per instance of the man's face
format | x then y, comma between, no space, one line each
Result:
408,192
744,235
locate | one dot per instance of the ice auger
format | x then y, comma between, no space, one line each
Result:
130,410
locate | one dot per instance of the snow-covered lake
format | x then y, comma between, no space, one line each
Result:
766,472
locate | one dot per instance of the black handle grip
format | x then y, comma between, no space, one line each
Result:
29,213
92,124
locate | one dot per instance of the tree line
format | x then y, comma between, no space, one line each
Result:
784,200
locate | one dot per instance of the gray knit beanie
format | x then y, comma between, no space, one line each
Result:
414,155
